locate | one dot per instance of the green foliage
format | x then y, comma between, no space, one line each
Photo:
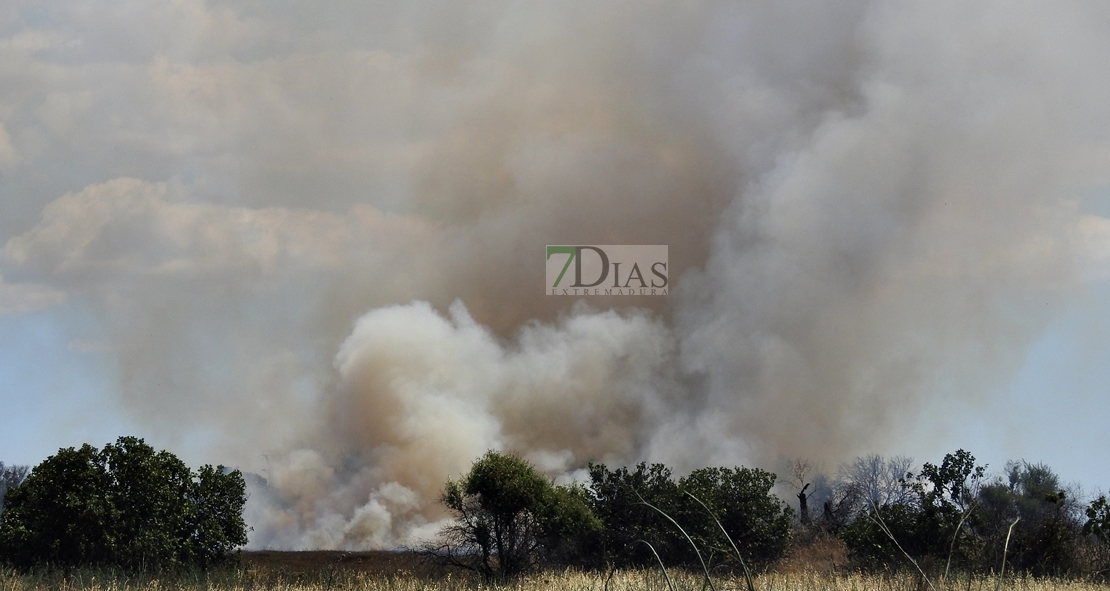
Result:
150,513
509,518
1046,539
1098,519
1096,529
740,498
126,506
572,529
216,524
619,497
61,513
933,522
944,520
870,545
953,515
951,487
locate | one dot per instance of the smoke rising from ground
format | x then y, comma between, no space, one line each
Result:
313,240
420,396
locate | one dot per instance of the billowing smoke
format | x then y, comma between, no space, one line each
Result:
314,244
420,396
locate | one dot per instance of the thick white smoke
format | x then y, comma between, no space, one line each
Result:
314,240
420,396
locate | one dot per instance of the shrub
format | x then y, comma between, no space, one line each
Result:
619,497
740,498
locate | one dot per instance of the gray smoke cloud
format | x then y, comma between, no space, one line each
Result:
313,238
421,395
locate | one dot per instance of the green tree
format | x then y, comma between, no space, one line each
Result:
935,520
61,514
509,518
741,500
1097,529
620,500
126,506
881,536
631,504
151,511
1045,541
216,526
1098,519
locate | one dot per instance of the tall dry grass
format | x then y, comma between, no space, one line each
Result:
249,578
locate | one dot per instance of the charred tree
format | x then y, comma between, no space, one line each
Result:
803,505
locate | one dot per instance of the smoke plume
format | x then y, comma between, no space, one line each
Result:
313,241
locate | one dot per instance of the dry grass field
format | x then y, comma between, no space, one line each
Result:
251,578
820,566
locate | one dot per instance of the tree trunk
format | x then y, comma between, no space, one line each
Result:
803,505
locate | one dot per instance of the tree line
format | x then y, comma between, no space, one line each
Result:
130,507
508,519
125,506
942,519
953,516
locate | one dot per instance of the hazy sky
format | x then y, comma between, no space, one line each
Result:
307,239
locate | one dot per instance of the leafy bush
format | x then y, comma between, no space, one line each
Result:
741,500
1046,539
631,505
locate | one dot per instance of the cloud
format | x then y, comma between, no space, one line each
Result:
133,228
9,157
1092,235
25,298
164,274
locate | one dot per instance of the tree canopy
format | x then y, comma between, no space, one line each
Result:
635,505
125,506
509,517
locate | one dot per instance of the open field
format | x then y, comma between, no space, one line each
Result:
650,580
389,571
